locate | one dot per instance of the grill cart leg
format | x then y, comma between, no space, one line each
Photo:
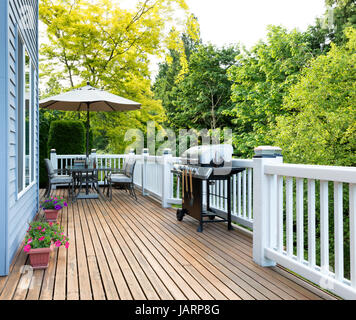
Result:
200,228
229,227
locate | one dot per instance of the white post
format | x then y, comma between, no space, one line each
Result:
166,178
53,159
261,202
93,155
145,154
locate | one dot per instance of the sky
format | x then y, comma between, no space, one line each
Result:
224,22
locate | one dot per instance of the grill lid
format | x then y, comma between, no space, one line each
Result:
215,154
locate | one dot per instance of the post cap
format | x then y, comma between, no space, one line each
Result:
167,151
267,152
145,151
132,150
93,150
53,151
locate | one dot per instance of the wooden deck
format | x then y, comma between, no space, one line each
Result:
125,249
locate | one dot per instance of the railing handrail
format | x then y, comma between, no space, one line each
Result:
316,172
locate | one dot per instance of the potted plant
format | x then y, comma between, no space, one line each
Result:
52,206
40,240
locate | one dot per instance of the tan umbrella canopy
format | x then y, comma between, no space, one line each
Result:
89,99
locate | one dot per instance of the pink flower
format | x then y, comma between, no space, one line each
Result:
27,248
67,245
39,227
29,240
58,243
44,229
55,198
41,239
51,224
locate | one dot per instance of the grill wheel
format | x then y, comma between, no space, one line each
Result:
180,214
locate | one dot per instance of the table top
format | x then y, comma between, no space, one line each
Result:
88,169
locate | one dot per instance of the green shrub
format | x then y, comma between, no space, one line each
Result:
44,130
67,137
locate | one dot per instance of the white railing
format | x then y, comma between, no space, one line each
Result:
241,194
296,214
289,207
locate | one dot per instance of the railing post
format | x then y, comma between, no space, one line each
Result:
166,178
145,154
53,159
93,155
261,202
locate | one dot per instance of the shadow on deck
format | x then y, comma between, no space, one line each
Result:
136,250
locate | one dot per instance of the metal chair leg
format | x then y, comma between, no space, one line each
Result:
133,191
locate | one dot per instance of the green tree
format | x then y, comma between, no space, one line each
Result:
340,15
100,42
261,79
200,97
320,126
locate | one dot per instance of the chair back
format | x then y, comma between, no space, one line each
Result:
79,163
49,167
130,167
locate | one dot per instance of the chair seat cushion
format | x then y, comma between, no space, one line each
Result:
120,178
61,179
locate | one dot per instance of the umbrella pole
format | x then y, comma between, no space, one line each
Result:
88,128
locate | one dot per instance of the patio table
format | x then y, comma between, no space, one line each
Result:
90,176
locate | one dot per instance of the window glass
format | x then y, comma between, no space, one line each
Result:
25,118
28,120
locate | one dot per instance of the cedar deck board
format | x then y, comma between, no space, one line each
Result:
137,250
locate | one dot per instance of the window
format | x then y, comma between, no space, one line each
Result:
25,119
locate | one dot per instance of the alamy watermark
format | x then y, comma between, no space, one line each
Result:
156,141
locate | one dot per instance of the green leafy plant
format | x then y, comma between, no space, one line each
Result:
67,137
42,234
54,203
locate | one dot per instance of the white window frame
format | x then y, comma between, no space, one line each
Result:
32,116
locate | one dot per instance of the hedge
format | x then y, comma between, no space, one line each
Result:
67,137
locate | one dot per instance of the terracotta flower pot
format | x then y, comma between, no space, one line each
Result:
39,258
51,215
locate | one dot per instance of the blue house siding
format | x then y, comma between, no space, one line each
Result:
3,137
18,210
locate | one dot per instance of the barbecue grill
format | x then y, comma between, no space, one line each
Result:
205,164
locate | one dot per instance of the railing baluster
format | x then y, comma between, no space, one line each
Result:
339,231
244,194
273,210
311,222
234,194
249,194
289,208
300,219
324,227
352,202
280,213
239,194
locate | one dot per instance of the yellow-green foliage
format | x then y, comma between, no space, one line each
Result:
111,47
322,127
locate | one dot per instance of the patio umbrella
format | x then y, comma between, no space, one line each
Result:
88,99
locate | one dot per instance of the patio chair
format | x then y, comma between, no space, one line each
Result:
124,179
55,179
